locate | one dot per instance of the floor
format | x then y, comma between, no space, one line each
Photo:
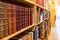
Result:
55,31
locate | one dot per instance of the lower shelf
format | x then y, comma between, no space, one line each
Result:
14,34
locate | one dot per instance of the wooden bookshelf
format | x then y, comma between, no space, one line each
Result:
14,34
30,4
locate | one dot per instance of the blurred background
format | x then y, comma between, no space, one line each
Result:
55,30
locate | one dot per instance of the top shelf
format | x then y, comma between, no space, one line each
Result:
26,3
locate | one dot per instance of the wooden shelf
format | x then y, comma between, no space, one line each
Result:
26,3
14,34
41,7
46,18
40,22
30,2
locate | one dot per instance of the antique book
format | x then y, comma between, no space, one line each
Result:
22,17
1,31
9,18
14,18
26,17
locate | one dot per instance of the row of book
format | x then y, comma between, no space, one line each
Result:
13,18
43,3
42,14
39,33
42,30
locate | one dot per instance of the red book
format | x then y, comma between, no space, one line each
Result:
9,18
26,17
31,16
40,2
22,17
18,17
14,18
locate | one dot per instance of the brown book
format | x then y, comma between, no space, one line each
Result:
9,18
1,31
5,30
5,21
1,22
3,16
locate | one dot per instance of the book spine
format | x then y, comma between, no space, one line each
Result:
22,14
9,18
1,31
17,18
14,18
5,21
26,17
31,16
3,17
36,33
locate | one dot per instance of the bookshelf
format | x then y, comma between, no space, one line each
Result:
14,34
33,17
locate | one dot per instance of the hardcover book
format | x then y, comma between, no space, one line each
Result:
9,18
14,18
22,17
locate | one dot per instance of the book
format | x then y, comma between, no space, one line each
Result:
38,15
31,16
5,29
40,31
26,17
9,18
22,17
36,33
6,32
14,18
45,28
45,3
41,15
1,31
40,2
17,17
1,22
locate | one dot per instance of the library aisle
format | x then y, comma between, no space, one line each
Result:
55,31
